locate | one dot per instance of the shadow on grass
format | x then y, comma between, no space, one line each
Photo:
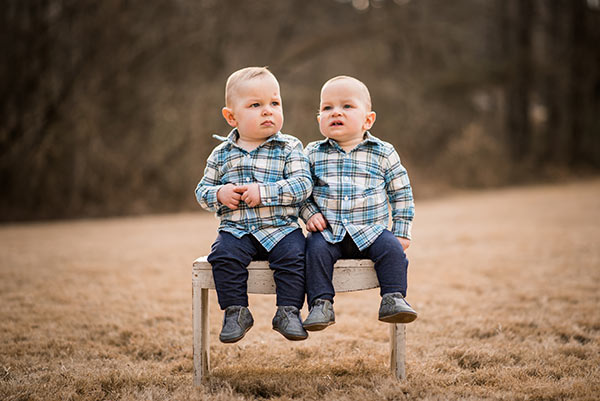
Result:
295,382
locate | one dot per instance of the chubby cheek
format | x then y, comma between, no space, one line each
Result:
324,128
279,121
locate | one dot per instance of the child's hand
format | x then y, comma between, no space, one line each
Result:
229,195
250,194
405,242
316,223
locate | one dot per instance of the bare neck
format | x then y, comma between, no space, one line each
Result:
248,145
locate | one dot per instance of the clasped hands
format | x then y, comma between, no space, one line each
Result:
231,195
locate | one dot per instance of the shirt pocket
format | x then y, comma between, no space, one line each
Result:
368,177
234,170
370,199
268,169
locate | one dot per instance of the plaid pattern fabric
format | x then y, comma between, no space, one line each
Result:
278,165
353,190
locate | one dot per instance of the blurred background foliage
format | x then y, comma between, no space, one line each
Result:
108,107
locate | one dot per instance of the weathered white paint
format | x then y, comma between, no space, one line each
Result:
398,350
348,275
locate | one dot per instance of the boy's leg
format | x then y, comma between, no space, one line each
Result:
286,259
229,257
391,263
391,266
320,258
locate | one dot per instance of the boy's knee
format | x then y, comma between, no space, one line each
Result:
388,243
218,251
227,247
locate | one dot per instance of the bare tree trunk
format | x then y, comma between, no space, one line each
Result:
553,92
517,34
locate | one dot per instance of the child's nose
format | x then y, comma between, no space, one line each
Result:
267,111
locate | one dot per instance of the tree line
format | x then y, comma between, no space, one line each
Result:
107,108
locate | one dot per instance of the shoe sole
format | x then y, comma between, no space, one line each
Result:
317,326
291,337
400,317
235,339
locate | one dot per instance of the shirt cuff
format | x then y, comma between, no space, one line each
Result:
211,197
308,210
402,228
269,194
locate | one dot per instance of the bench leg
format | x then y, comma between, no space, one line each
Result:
201,334
398,350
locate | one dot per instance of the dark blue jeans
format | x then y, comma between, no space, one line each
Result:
229,257
391,264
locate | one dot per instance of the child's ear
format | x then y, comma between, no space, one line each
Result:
319,118
369,120
229,117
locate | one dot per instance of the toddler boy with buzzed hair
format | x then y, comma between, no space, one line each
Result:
356,176
255,180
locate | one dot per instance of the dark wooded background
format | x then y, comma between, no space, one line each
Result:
108,107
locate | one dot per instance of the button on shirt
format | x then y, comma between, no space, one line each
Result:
353,190
280,168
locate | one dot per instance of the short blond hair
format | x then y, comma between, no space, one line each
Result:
365,91
245,74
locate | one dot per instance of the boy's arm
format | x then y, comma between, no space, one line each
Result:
293,189
400,196
308,209
206,191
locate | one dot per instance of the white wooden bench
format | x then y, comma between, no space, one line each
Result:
348,275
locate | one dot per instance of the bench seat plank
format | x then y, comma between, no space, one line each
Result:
348,275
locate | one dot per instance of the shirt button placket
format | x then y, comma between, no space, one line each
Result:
247,167
346,188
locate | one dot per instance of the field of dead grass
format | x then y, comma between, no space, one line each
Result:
507,284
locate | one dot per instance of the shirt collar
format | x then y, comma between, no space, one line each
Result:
368,138
234,135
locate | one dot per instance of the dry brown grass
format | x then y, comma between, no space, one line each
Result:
507,284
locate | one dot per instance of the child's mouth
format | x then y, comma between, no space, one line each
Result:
336,123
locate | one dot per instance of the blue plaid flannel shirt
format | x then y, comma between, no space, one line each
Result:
278,165
353,190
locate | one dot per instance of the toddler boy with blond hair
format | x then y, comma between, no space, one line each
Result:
254,181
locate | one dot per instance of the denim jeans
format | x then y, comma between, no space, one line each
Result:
230,257
391,264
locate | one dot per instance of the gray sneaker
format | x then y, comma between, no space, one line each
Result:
321,315
395,309
236,322
287,322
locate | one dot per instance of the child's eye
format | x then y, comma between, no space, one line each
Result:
275,103
255,105
326,108
347,106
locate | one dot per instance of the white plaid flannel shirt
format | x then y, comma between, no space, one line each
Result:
280,168
353,190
